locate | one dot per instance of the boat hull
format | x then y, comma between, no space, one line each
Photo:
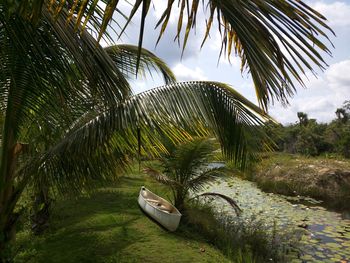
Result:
159,209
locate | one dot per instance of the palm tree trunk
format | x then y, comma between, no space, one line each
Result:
8,218
179,200
7,235
41,210
8,192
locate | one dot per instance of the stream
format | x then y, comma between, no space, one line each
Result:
326,234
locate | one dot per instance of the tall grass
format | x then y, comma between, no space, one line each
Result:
241,240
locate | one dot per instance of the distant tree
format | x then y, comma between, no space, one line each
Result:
310,140
303,118
338,131
342,115
346,105
307,139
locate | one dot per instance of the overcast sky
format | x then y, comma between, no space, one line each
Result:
319,100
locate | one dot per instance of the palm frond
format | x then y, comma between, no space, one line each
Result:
199,107
159,176
32,86
185,159
229,200
206,177
126,56
252,30
37,56
255,30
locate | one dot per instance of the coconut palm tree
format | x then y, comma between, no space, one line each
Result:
124,57
42,105
187,169
69,114
53,71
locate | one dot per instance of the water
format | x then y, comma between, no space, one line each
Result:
326,234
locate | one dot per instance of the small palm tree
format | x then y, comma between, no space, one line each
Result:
188,169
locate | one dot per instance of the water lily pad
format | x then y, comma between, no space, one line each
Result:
326,236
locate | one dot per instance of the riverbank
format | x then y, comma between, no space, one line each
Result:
108,226
321,178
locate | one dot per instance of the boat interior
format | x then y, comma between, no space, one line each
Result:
157,202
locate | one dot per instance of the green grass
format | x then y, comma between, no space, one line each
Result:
108,226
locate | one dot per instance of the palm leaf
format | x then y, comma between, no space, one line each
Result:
205,178
199,107
39,55
159,176
229,200
249,28
126,56
32,85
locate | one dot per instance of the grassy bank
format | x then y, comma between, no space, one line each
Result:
108,226
323,178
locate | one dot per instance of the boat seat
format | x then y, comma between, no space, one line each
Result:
159,205
152,200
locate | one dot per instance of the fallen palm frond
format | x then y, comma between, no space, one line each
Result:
229,200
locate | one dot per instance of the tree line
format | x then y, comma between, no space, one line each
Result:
308,137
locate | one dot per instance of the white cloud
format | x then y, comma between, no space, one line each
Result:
338,76
184,73
215,41
316,107
337,13
322,96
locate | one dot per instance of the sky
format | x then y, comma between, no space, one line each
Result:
323,94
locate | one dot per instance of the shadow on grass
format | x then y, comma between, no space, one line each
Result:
89,229
108,226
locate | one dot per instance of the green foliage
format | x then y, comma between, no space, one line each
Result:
185,169
311,138
338,134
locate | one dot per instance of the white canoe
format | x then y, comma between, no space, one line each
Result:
159,209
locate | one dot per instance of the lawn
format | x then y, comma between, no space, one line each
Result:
108,226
